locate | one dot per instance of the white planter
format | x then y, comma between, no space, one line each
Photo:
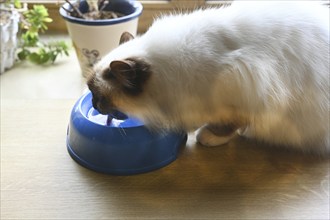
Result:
8,34
94,39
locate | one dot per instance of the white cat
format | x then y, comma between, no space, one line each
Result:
260,68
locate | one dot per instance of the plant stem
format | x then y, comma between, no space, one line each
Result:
102,4
80,14
93,5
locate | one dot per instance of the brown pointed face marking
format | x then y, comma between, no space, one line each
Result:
121,81
100,99
129,75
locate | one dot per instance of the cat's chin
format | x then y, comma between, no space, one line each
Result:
117,114
111,112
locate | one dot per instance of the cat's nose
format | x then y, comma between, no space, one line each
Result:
100,108
94,103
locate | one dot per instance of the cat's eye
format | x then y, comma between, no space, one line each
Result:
107,74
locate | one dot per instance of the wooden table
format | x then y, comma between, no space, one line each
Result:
241,180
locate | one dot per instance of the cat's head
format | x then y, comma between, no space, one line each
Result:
122,79
117,82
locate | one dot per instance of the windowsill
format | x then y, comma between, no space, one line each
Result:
151,10
61,80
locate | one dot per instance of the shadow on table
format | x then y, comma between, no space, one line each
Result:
242,179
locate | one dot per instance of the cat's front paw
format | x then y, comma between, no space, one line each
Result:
212,136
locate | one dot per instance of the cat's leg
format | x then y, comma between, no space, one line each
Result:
215,134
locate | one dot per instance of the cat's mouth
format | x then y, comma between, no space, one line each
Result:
113,113
118,115
102,107
105,111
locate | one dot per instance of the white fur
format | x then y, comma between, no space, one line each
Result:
262,64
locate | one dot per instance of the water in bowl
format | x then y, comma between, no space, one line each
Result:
116,119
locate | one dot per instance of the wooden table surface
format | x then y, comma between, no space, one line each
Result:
39,180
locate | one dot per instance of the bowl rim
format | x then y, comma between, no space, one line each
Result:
135,4
81,101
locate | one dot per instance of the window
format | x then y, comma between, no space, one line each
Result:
151,9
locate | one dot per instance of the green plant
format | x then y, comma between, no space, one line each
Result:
35,22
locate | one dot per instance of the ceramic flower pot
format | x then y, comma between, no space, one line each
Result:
8,33
92,39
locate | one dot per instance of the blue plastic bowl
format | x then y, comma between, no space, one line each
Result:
123,147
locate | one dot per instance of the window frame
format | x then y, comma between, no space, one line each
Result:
151,10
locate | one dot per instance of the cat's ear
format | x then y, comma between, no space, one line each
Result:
130,74
123,71
126,36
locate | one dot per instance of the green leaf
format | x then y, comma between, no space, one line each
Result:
17,4
53,57
22,55
47,19
45,58
34,58
37,19
44,27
